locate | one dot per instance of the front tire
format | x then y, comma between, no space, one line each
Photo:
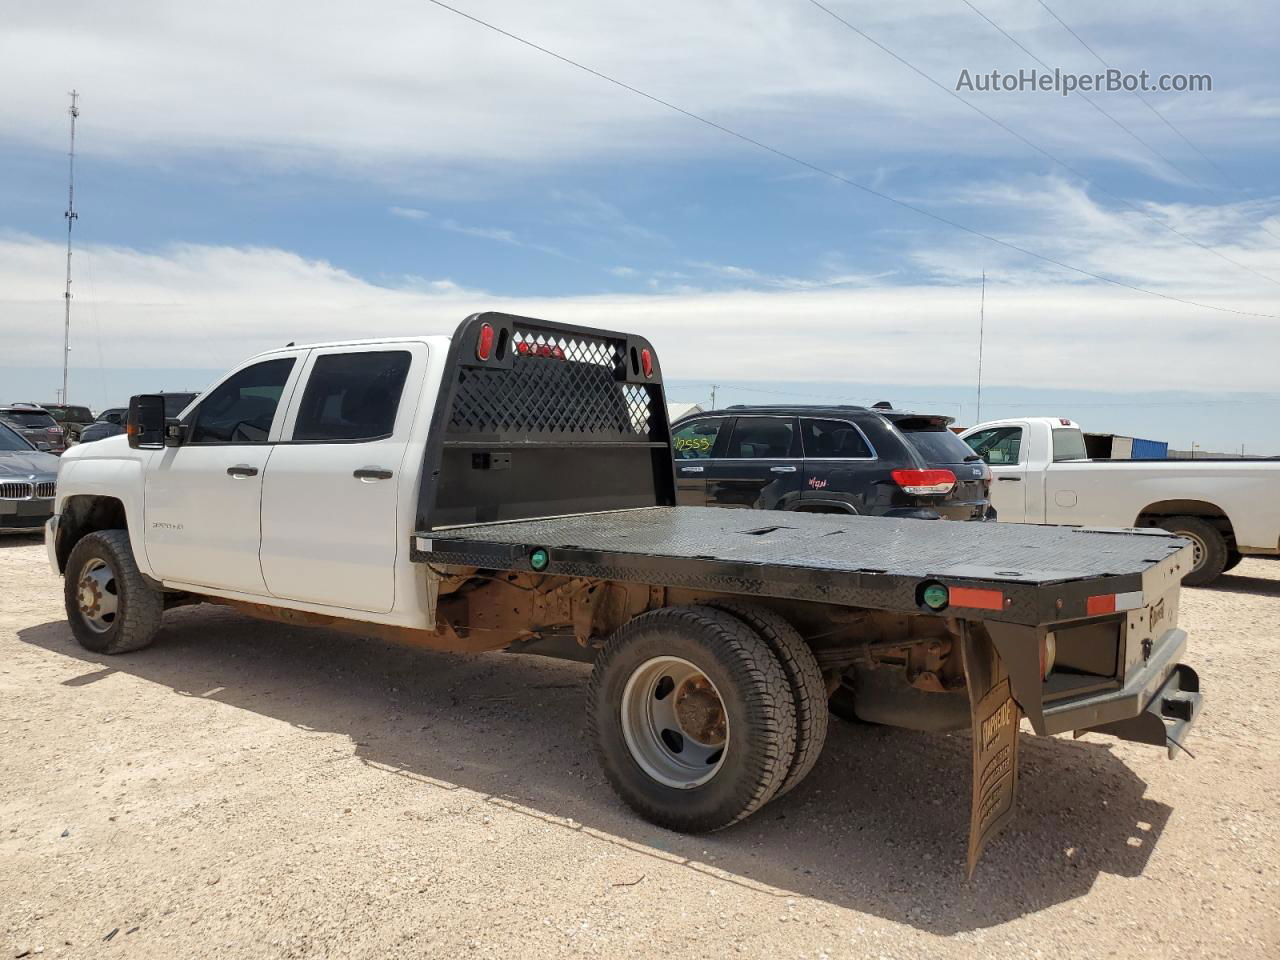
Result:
1211,551
110,607
692,718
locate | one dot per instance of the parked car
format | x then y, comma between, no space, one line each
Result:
36,425
873,461
111,422
27,483
72,419
1228,509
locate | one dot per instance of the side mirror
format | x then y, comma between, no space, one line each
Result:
146,421
175,432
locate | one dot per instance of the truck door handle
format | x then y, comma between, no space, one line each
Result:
372,473
242,470
1010,479
782,469
692,469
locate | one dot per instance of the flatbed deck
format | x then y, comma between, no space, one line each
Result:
1045,574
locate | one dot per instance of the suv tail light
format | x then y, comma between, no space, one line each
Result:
925,481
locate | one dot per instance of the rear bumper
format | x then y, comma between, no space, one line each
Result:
1157,705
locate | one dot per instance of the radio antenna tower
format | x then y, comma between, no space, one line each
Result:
71,217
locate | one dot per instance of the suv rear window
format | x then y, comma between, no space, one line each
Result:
28,419
935,442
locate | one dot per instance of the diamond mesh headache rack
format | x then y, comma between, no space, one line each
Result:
536,418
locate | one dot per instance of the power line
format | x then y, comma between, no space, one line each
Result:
1149,105
1036,147
1093,103
1007,244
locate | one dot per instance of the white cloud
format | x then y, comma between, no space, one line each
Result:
403,85
209,307
409,213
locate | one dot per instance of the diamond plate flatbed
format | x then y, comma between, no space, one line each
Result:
1046,574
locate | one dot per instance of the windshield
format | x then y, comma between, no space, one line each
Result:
1068,444
11,442
25,419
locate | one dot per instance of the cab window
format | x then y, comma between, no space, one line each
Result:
241,408
998,446
352,396
696,440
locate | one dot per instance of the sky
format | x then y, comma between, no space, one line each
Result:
251,173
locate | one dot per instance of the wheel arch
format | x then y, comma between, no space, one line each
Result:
1153,513
83,514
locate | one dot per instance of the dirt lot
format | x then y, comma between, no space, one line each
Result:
244,789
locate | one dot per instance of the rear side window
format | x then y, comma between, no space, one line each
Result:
997,446
762,438
1068,445
241,408
833,440
352,396
696,440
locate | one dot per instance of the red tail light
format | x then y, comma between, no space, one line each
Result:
925,481
646,361
484,343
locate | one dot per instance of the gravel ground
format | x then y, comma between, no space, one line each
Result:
244,789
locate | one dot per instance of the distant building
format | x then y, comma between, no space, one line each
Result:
677,410
1111,446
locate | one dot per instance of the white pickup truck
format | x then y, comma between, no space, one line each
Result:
1041,474
511,488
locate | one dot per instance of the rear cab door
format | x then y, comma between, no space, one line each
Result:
840,464
694,444
760,467
333,491
1004,449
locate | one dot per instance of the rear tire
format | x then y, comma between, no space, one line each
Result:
1210,548
1233,560
110,608
808,689
652,714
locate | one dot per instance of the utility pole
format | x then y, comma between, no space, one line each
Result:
71,217
713,396
982,322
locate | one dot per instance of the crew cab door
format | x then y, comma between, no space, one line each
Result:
760,466
1005,451
202,500
331,497
693,444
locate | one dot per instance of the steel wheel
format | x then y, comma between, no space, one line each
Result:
97,595
674,722
1197,548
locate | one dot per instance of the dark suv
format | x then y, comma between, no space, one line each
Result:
35,425
881,462
72,419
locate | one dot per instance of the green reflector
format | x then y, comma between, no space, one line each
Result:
539,559
936,596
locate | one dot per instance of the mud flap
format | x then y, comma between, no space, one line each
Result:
995,716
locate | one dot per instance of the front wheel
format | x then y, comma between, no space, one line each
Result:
110,607
692,718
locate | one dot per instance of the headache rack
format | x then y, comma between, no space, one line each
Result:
538,419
